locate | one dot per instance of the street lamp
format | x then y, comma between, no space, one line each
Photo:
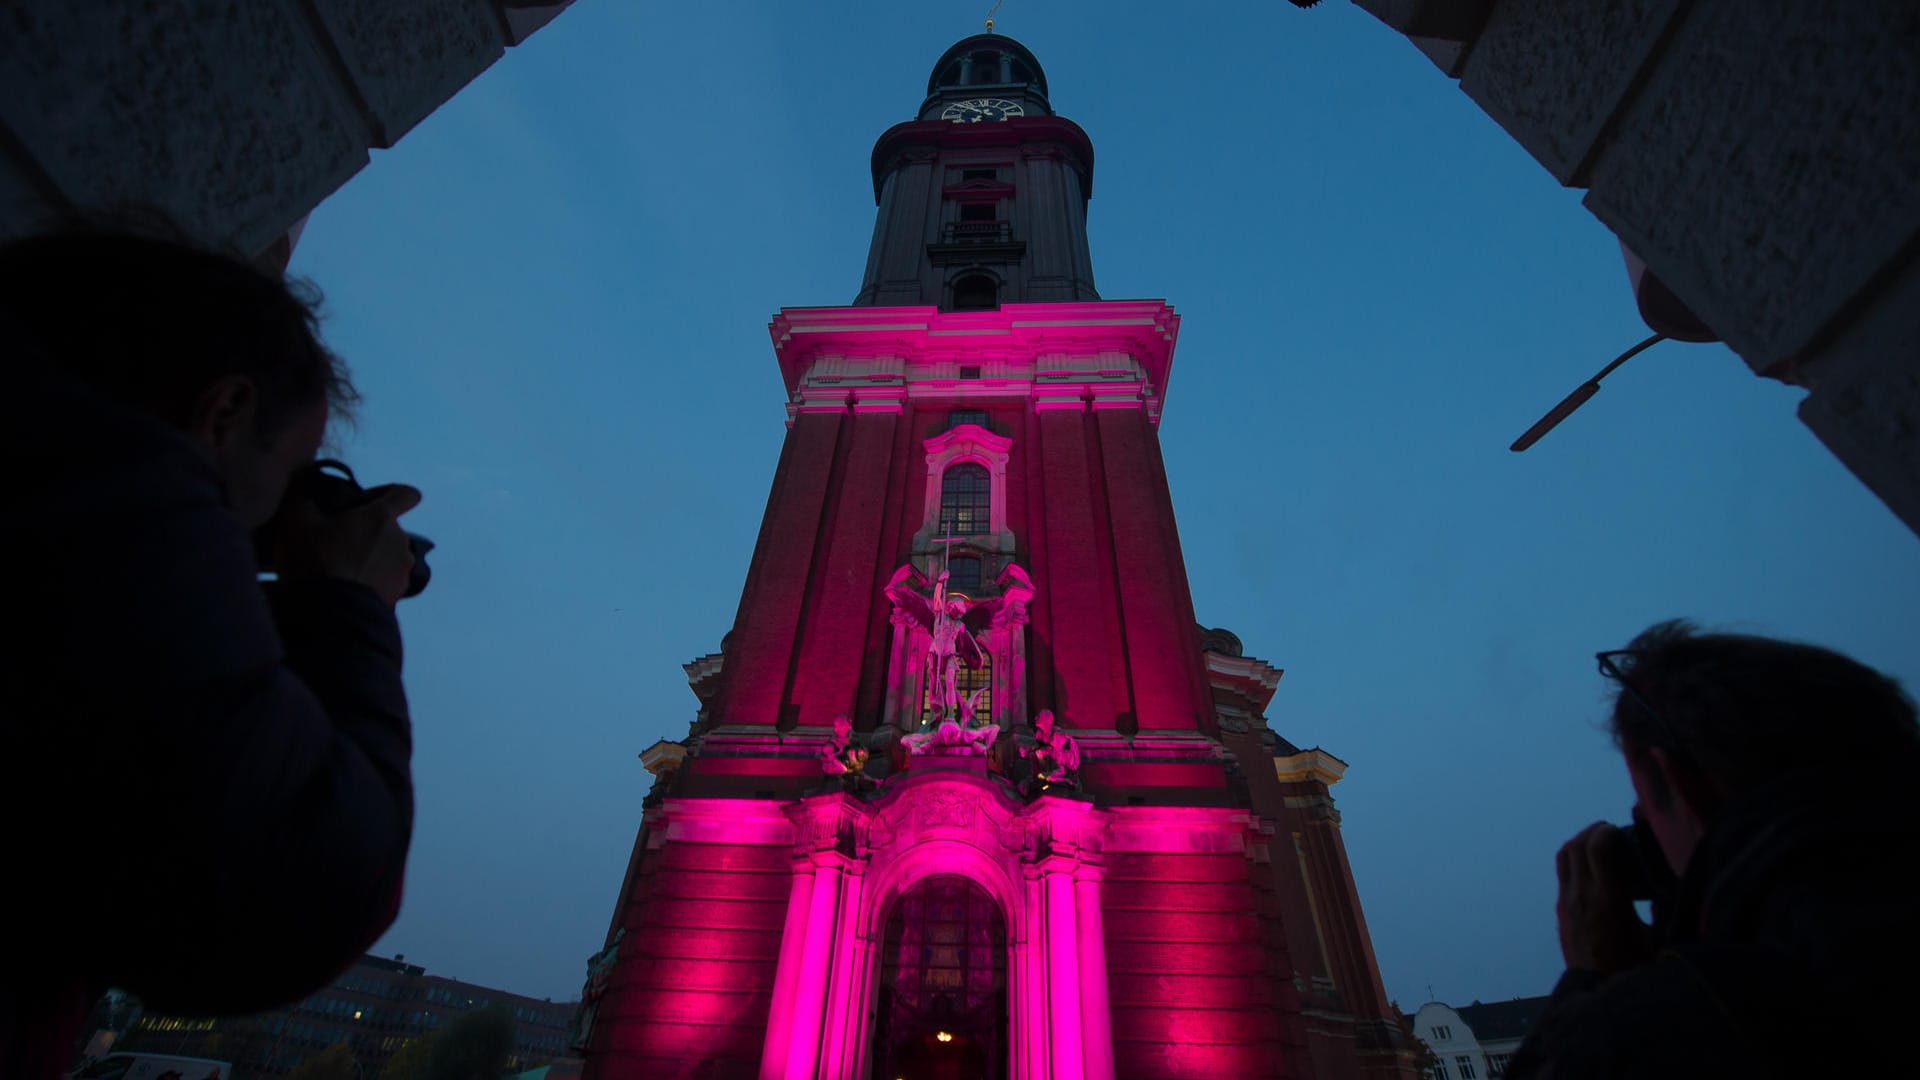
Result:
1580,396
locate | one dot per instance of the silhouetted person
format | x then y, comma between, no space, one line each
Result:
1782,784
205,782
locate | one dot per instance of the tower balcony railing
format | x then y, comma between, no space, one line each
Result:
977,232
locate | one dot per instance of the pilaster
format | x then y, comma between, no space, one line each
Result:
757,659
1084,630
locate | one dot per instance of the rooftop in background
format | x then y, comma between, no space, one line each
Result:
1499,1020
376,1007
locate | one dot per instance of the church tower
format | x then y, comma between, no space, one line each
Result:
970,792
973,212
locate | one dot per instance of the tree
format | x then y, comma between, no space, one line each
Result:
334,1063
473,1046
234,1038
410,1061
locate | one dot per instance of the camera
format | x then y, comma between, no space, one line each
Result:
331,487
1650,879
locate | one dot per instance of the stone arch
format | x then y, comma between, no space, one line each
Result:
975,289
927,858
949,823
976,445
943,995
947,820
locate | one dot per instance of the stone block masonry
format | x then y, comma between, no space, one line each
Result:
1762,157
233,117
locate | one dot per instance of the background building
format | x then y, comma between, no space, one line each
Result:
375,1007
1081,853
1474,1042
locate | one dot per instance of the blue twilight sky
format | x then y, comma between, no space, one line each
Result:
555,291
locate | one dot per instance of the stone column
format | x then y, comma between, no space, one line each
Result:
1096,1018
1036,1009
786,979
898,674
847,986
1016,1048
913,688
1010,622
816,963
1064,1002
1010,673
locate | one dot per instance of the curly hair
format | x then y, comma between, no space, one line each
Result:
1742,710
151,319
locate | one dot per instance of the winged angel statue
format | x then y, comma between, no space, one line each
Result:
951,619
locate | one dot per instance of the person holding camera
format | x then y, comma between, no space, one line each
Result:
1778,812
207,781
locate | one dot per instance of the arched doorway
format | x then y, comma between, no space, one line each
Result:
941,1008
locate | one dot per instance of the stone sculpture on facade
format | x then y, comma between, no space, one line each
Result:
918,667
1055,756
945,619
943,735
844,757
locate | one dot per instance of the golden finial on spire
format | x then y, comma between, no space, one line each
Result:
996,7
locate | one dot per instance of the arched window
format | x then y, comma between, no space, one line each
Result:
966,500
942,993
976,292
965,572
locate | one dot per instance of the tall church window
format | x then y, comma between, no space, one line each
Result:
966,484
965,572
966,500
942,1008
980,211
976,292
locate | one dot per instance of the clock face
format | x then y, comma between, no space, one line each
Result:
977,109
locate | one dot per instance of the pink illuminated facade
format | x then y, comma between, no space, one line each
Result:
971,793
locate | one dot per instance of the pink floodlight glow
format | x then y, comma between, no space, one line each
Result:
1039,862
1044,865
893,339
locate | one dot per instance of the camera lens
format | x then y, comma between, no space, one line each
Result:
1636,876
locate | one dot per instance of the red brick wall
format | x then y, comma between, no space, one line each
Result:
1111,637
1156,607
846,595
1190,979
694,978
758,658
1082,619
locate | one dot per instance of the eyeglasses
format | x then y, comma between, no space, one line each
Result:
1612,671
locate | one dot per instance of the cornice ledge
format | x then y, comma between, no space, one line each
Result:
1310,765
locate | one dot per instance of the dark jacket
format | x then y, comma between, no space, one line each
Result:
1793,953
206,788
